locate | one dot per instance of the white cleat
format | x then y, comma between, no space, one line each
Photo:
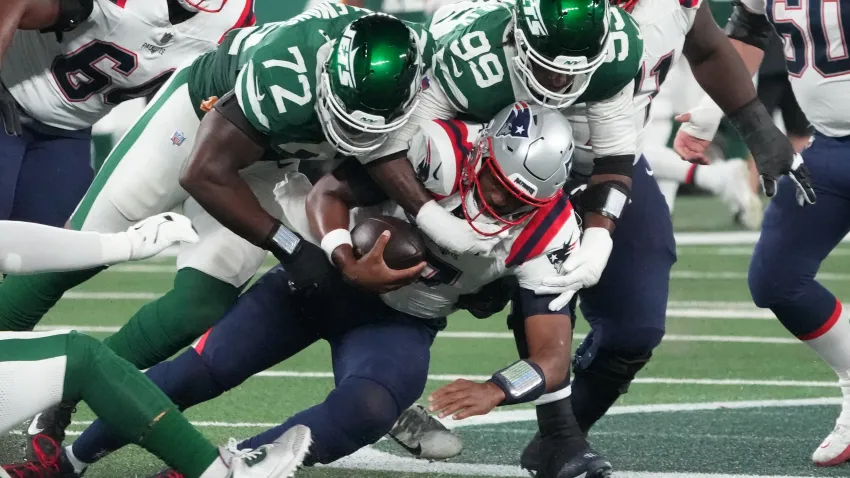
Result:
737,193
835,449
280,459
421,434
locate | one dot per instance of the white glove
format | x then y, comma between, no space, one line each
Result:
582,269
456,234
704,120
154,234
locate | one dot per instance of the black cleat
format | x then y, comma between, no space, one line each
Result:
50,462
530,458
50,423
587,464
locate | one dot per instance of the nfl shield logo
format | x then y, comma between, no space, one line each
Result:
517,123
426,83
177,138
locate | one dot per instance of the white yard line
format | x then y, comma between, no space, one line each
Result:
726,275
503,335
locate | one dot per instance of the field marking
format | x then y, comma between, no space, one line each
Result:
743,339
375,460
640,380
736,251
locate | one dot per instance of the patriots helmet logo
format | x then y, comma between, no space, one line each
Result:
517,123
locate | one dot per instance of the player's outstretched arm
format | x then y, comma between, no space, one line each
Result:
27,248
718,67
544,366
328,206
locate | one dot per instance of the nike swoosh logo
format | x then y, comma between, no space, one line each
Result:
650,172
413,451
33,428
457,71
436,178
825,445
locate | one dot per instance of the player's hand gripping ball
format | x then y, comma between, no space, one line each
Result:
389,255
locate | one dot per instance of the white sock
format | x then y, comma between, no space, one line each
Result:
217,469
79,465
669,189
713,177
833,346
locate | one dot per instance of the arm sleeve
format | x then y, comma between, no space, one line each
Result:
612,124
27,248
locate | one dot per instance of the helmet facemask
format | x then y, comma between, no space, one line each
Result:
351,126
538,54
484,179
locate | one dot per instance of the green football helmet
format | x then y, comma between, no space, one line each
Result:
369,83
561,43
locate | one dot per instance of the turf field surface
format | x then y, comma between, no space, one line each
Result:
728,393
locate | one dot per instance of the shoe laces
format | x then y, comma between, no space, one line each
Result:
31,469
245,453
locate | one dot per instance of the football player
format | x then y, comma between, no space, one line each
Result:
88,56
77,367
510,176
802,237
295,91
630,308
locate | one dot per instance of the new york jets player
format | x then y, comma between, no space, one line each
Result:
90,56
333,80
74,366
511,175
817,64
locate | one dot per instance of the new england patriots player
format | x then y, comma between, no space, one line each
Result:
509,176
88,56
74,366
818,67
626,309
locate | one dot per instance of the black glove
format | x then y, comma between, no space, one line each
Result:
304,262
9,113
772,151
491,299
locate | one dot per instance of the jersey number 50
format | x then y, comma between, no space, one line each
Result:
822,21
79,77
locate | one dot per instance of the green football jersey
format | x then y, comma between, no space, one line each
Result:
274,71
474,54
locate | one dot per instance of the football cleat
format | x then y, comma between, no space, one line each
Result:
418,432
50,423
280,459
50,462
587,464
737,193
835,449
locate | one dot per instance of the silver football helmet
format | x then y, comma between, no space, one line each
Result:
528,150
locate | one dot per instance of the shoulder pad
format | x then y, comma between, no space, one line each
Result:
437,151
71,14
552,230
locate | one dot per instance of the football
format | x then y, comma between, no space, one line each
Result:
405,248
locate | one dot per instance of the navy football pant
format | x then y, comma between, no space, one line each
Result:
380,363
43,176
626,310
795,240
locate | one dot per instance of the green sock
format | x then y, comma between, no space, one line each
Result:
133,407
25,299
162,327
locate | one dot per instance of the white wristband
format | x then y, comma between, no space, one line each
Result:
334,239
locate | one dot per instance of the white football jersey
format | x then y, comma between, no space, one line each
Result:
531,251
126,49
817,57
664,25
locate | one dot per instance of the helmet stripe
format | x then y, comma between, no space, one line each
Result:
540,231
457,133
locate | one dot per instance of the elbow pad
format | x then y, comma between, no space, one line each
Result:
748,27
